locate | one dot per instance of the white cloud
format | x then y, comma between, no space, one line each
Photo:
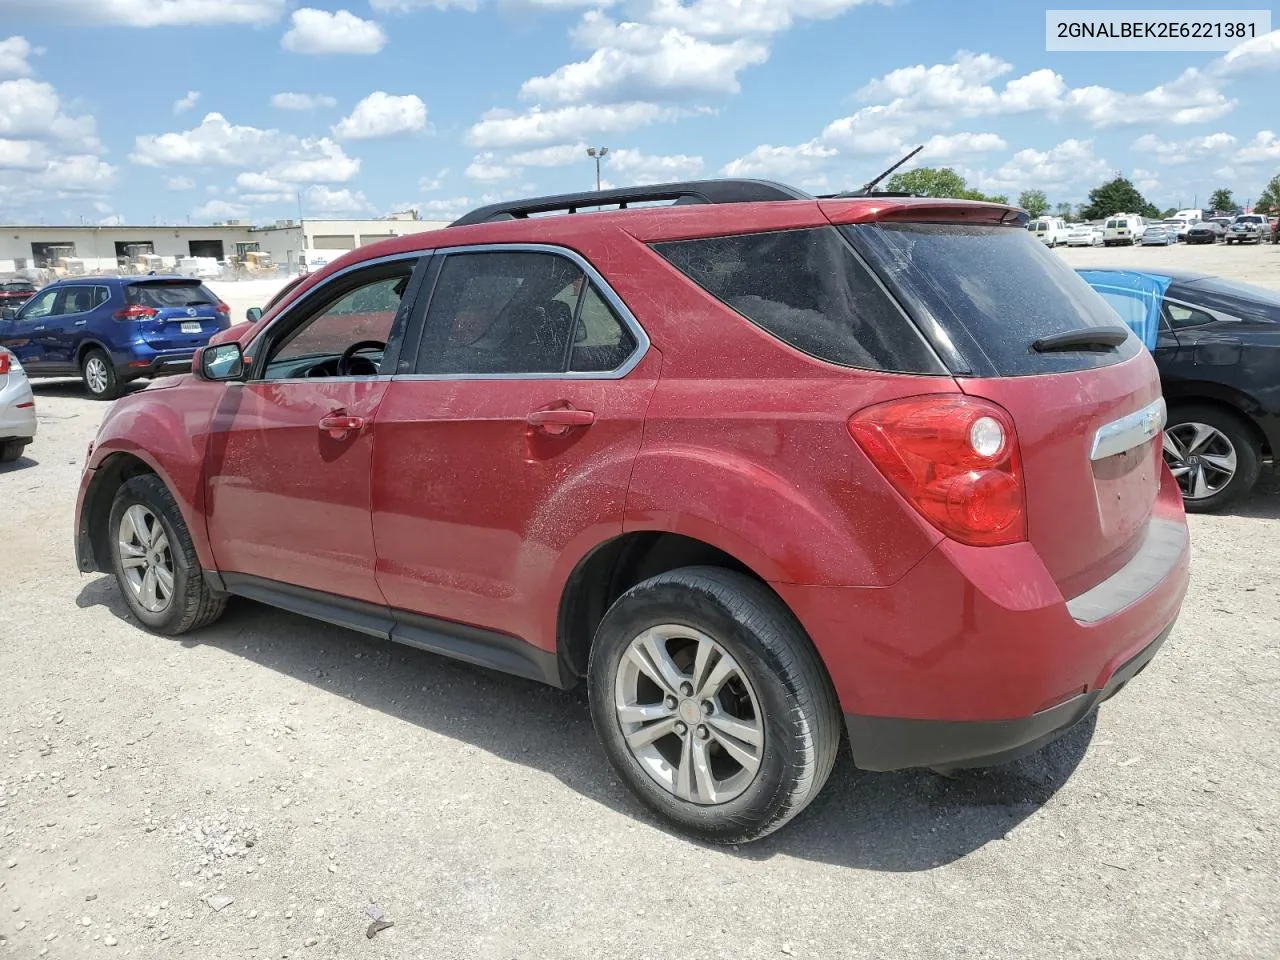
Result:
735,18
1263,148
1192,97
113,220
260,183
32,109
560,155
637,61
187,102
179,183
941,148
321,199
431,184
217,142
780,162
382,115
485,169
632,166
260,199
1071,162
1151,147
404,6
220,210
450,209
152,13
302,101
318,31
503,128
13,57
1258,54
1147,181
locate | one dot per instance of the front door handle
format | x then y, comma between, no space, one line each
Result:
558,421
338,425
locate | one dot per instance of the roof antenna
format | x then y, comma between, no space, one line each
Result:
866,188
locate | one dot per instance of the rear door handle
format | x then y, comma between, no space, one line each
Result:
560,420
338,425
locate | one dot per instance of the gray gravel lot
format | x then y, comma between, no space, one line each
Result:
270,786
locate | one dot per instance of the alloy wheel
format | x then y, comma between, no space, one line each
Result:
95,374
689,715
145,558
1202,459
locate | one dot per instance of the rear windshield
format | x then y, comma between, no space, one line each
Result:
807,288
161,295
991,291
18,286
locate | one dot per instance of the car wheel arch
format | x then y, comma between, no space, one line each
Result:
110,474
612,568
1236,406
87,345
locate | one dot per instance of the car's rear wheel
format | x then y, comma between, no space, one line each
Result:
99,376
1212,454
11,450
712,704
155,562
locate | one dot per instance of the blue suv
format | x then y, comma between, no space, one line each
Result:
110,330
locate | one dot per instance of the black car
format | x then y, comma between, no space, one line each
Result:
1218,350
1206,231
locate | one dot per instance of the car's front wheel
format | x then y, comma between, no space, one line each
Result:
155,562
99,375
712,704
1212,454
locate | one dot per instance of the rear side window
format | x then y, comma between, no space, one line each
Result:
162,295
808,289
992,291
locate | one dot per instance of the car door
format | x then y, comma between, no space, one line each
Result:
290,450
504,449
63,331
24,335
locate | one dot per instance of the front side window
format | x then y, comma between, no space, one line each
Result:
41,306
522,312
361,314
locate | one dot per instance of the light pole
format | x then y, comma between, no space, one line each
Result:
597,154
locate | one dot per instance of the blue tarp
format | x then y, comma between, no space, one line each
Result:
1135,296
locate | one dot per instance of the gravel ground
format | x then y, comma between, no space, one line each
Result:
270,786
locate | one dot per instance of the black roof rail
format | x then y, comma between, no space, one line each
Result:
690,191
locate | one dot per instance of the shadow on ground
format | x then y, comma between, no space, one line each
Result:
76,388
906,821
22,463
1263,502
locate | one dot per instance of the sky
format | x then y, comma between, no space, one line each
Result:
176,111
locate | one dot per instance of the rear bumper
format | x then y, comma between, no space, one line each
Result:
891,743
17,422
153,363
975,655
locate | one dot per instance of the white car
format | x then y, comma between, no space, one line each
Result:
17,408
1084,235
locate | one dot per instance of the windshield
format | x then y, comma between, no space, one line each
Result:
1249,219
170,294
992,291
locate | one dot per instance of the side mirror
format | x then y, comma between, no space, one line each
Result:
253,314
219,362
8,313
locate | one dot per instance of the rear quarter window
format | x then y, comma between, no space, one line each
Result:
808,289
991,291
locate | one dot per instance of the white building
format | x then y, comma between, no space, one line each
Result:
96,249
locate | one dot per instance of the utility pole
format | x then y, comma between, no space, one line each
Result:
597,154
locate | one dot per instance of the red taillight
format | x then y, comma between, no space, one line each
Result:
136,312
4,362
223,308
955,459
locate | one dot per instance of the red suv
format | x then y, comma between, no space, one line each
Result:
762,468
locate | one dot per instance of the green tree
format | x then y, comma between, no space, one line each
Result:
1118,195
1269,201
937,182
1064,210
1222,200
1033,201
1171,211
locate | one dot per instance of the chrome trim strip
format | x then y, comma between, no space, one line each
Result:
1129,431
619,307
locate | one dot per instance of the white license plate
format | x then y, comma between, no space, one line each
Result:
191,327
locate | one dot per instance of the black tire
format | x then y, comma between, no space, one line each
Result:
192,604
111,385
801,719
11,450
1245,443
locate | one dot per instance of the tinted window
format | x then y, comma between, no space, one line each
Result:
807,288
82,299
1234,299
993,291
501,313
1179,315
18,286
168,294
601,342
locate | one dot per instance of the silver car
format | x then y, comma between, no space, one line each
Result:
17,408
1249,228
1159,235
